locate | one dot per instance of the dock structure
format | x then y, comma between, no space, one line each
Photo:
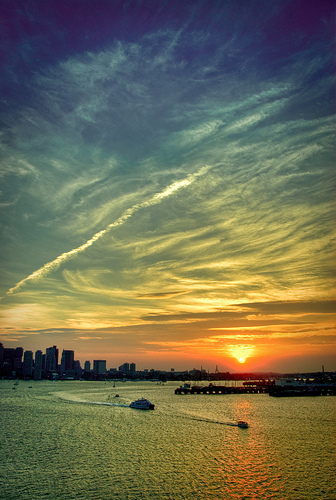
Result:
251,387
305,390
261,387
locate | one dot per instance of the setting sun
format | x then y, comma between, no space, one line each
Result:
241,352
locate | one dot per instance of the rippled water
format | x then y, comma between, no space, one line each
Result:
54,445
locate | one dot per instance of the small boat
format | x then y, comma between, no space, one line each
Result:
242,424
142,404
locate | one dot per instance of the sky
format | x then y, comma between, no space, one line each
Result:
168,182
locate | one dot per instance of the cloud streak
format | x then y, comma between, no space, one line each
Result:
155,200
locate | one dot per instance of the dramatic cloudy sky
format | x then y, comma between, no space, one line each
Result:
167,181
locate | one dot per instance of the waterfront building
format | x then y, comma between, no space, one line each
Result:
27,367
87,366
12,360
132,368
19,353
11,353
1,355
17,365
68,363
38,365
125,368
99,366
51,359
77,369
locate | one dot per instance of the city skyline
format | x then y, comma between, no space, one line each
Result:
168,187
16,362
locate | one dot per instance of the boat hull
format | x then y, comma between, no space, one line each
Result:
142,404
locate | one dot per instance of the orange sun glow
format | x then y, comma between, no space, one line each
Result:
241,352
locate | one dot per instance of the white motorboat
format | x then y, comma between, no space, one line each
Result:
142,404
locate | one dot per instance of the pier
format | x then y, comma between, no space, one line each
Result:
250,387
261,387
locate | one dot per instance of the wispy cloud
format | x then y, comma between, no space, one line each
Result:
156,199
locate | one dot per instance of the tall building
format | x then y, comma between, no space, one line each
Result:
77,368
87,366
132,368
38,365
12,360
68,363
125,368
18,353
99,366
27,367
1,355
51,360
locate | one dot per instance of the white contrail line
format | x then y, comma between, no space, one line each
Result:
155,200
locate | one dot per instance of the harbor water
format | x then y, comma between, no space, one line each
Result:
77,440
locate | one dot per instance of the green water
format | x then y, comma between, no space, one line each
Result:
56,445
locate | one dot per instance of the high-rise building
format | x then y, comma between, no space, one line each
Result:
68,363
99,366
7,364
12,360
38,365
18,353
1,355
77,368
87,366
51,360
125,368
27,367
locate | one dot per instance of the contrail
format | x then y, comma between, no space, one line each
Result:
155,200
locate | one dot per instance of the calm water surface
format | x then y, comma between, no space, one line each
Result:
56,445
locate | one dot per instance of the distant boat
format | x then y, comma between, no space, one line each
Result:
241,423
142,404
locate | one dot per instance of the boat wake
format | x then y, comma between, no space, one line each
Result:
207,420
103,403
240,423
84,401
